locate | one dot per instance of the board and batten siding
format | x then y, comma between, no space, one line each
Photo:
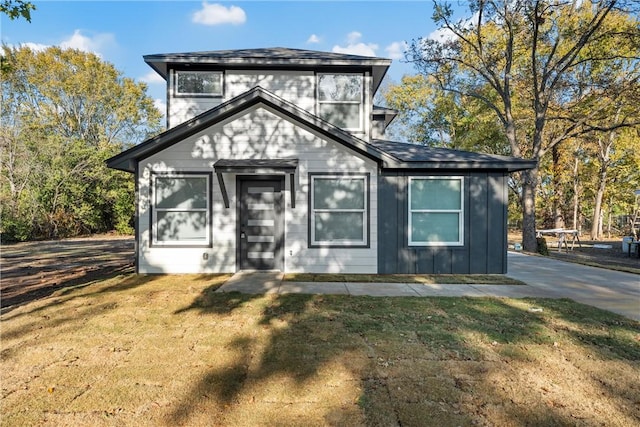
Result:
257,133
297,87
485,228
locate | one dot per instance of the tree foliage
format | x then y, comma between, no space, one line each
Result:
15,9
432,117
64,113
550,71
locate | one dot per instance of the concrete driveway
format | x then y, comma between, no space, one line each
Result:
607,289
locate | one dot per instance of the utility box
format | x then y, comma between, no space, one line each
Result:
626,241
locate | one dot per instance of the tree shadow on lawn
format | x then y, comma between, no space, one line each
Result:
14,296
68,291
416,359
35,270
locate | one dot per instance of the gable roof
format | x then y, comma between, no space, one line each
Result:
126,161
278,57
388,154
413,156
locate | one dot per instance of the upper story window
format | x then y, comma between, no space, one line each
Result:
340,99
198,83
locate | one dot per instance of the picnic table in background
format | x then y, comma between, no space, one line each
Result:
563,237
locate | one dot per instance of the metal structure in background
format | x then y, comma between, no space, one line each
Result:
635,221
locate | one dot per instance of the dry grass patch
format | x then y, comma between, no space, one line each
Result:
169,350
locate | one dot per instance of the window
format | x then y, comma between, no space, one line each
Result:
198,83
436,211
338,210
180,214
340,100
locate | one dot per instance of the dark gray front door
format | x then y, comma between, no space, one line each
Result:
261,227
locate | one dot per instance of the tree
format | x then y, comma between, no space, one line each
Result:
15,9
64,113
538,57
614,171
431,117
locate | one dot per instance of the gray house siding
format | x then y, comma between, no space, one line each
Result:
485,220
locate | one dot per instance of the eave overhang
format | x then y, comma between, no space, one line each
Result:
276,58
256,166
388,113
423,158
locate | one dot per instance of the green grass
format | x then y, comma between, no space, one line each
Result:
479,279
169,350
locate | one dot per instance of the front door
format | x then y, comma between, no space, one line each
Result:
261,226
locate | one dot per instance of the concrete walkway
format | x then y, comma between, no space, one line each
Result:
544,277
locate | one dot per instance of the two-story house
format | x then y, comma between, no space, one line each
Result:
276,159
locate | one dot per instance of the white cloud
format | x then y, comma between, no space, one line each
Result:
96,44
353,37
355,46
152,78
160,105
357,49
36,47
396,50
313,39
217,14
444,35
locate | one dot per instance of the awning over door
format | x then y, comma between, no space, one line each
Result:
259,167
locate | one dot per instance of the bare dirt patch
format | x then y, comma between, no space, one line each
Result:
589,253
33,270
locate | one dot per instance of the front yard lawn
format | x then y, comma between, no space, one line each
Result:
168,350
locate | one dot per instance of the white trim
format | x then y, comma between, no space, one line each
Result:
154,211
313,211
460,212
360,128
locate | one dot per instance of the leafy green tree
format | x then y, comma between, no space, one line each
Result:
432,117
539,66
15,9
64,113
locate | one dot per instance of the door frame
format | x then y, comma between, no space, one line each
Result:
280,216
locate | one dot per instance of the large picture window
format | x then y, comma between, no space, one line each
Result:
340,98
198,83
339,210
436,211
180,212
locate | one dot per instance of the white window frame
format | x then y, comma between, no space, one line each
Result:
176,75
155,210
365,215
460,212
359,102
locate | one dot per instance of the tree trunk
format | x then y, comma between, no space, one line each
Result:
529,184
604,152
596,225
609,219
576,195
558,193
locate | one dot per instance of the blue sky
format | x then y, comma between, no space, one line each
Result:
121,32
